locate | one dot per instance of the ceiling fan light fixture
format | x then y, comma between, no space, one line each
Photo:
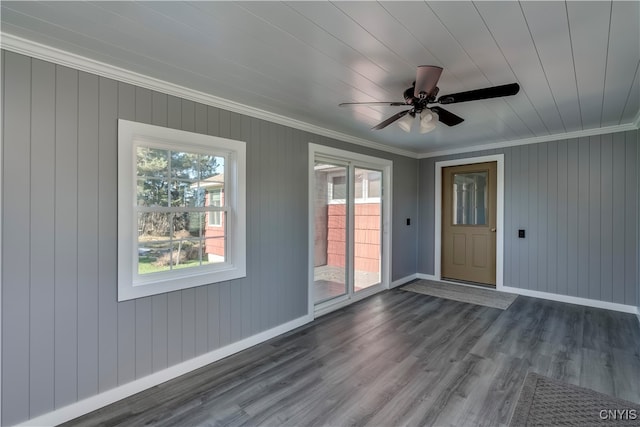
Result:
406,122
428,120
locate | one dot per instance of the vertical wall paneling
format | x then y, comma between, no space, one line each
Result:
551,215
253,227
619,187
606,219
523,215
126,309
562,220
583,217
532,217
159,303
594,242
174,328
541,223
573,179
213,326
41,257
66,237
188,323
88,164
578,201
637,141
246,283
631,216
508,215
15,236
107,236
143,306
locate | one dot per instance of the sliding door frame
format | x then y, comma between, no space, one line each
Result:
360,161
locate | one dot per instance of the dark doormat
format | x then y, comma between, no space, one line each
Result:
547,402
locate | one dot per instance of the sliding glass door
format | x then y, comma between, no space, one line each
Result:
367,224
330,247
348,221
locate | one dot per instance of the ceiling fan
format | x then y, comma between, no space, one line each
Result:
424,92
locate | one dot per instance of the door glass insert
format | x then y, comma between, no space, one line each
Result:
470,194
367,229
330,244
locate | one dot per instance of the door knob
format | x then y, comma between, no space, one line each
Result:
493,230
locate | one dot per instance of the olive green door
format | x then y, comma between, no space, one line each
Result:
469,223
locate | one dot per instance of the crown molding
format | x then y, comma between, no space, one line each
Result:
536,140
58,56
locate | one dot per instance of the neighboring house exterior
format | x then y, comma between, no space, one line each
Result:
214,221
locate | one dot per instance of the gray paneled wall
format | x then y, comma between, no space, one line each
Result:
64,335
578,202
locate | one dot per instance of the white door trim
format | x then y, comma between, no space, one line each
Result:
499,159
387,200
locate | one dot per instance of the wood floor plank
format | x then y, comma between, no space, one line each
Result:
397,358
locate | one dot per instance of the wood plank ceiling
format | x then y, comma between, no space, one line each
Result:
577,62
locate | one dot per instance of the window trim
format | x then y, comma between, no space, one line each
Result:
365,190
133,134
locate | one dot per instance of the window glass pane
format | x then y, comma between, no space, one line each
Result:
214,198
359,183
211,166
186,253
152,162
470,198
184,193
211,178
153,256
215,242
339,187
187,225
154,226
375,178
184,165
330,242
152,192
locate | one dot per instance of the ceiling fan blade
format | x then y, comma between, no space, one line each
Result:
486,93
447,117
391,104
427,78
390,120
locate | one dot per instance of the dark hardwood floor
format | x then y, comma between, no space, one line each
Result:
398,358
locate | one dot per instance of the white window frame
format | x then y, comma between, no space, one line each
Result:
130,136
358,200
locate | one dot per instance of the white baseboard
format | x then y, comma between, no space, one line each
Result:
110,396
427,277
403,280
572,300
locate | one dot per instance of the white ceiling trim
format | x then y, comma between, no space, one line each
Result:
537,139
58,56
